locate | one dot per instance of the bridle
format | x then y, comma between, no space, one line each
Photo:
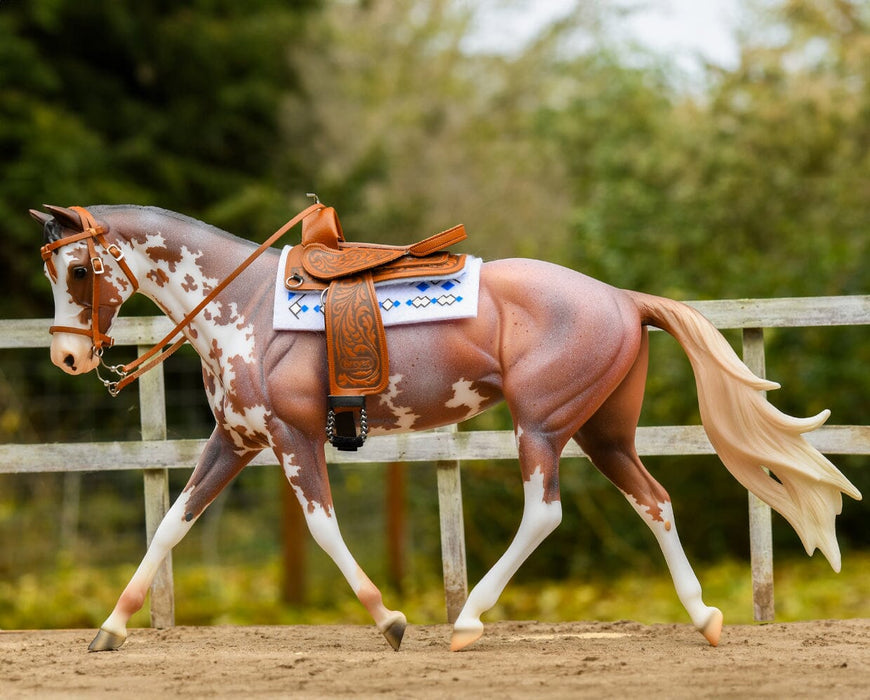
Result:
93,234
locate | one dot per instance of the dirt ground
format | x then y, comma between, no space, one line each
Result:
512,660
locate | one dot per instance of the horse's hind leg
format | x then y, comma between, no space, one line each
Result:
542,512
607,438
217,465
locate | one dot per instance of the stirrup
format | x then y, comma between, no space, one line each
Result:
341,425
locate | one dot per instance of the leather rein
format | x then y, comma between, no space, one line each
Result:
93,234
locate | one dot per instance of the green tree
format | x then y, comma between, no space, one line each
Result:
158,102
754,187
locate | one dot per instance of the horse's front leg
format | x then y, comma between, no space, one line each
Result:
542,513
304,463
218,464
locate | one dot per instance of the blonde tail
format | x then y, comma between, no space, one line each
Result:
748,433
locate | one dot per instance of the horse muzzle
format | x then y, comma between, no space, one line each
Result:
73,354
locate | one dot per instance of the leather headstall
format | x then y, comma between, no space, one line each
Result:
93,234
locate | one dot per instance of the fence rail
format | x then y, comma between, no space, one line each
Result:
154,454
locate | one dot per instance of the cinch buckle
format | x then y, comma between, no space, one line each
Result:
341,430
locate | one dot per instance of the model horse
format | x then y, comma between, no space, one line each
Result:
567,353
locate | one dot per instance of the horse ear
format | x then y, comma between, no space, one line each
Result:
41,218
65,217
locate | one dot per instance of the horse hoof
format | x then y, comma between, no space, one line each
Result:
713,627
395,630
465,635
107,641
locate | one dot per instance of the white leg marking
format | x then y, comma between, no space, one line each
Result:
325,531
539,520
290,469
685,582
324,528
170,532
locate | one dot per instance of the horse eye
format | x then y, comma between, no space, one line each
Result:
80,273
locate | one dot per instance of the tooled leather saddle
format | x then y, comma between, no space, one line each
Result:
356,345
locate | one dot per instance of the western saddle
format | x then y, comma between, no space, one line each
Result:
356,345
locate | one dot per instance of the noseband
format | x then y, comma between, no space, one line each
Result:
93,234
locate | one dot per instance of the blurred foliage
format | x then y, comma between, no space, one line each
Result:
78,597
412,135
750,182
163,103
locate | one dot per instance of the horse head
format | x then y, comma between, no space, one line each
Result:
89,279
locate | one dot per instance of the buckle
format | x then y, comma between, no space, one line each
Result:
115,251
97,266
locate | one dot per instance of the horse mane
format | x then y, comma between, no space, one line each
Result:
51,232
159,211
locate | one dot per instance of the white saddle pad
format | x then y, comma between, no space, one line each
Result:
401,301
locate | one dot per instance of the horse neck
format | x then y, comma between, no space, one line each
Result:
179,260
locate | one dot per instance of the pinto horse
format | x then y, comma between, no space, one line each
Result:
569,365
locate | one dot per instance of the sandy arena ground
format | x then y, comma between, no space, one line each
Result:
828,659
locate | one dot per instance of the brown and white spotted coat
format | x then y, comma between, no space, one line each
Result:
568,354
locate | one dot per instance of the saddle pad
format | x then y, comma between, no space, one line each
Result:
401,301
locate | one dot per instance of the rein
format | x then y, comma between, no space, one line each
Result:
132,371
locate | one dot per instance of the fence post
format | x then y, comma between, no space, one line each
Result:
760,527
152,409
452,534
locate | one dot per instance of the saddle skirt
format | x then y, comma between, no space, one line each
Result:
401,301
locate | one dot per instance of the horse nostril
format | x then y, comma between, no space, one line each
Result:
70,361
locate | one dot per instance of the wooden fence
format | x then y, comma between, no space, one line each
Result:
154,454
